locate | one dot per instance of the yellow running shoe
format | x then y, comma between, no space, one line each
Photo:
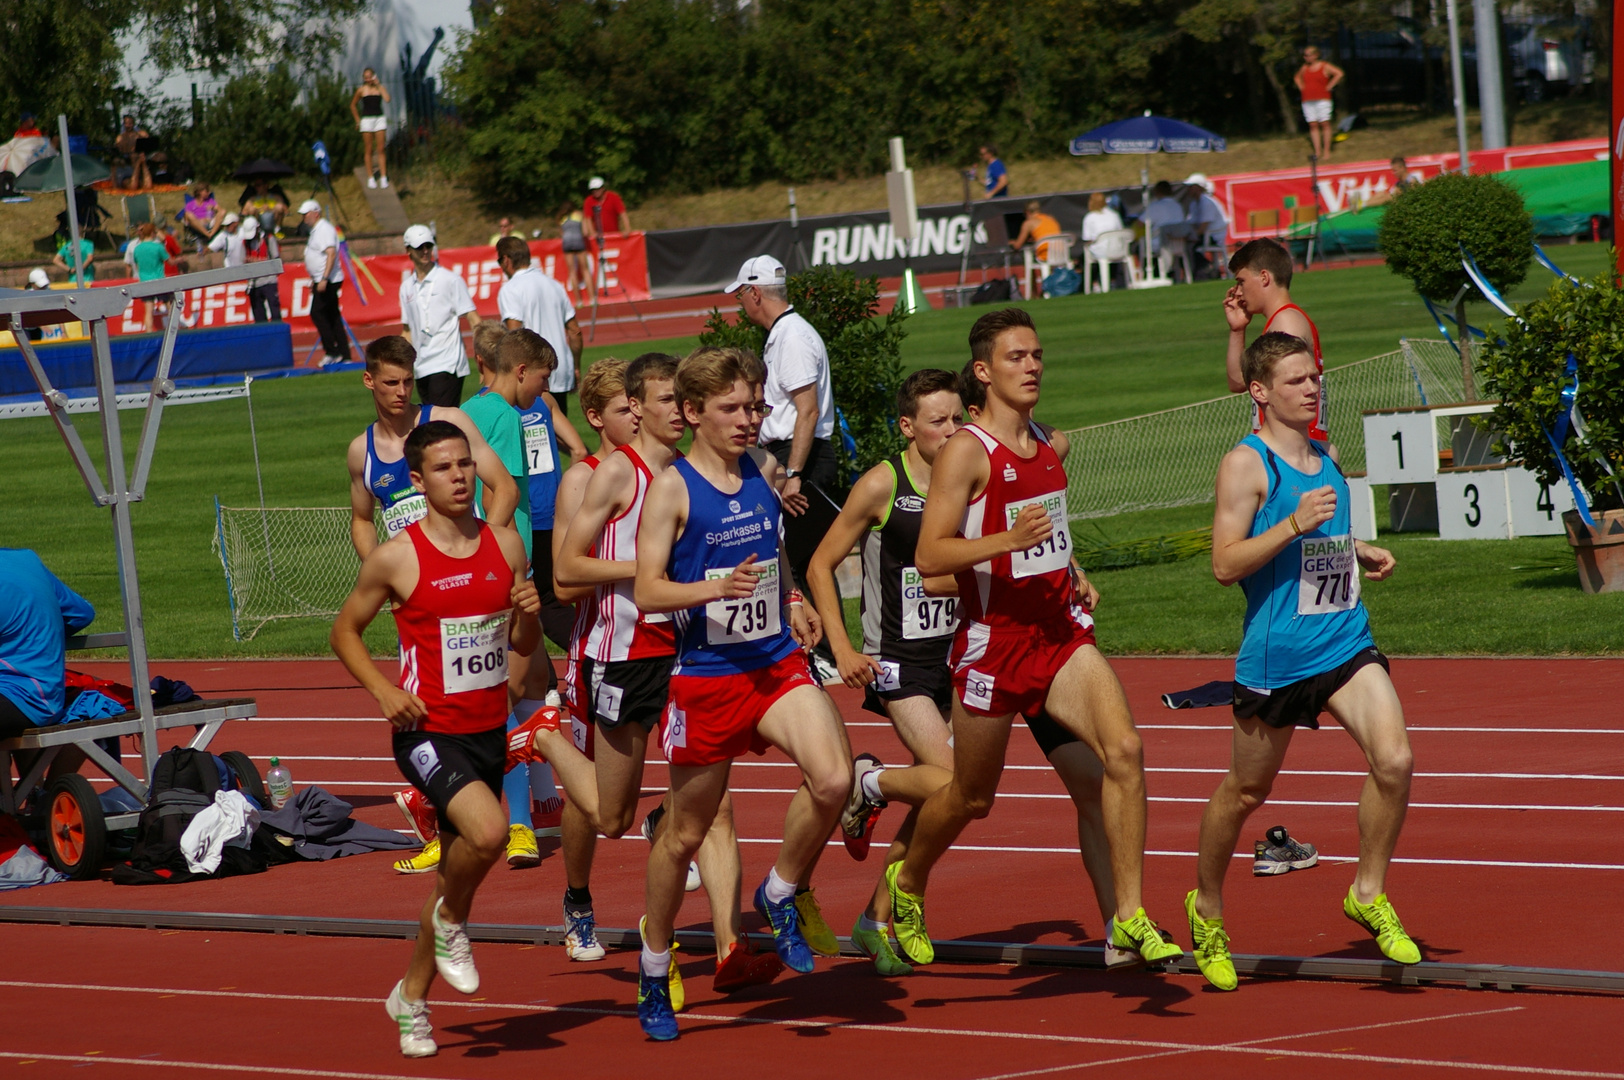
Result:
1381,920
521,849
673,979
423,862
908,917
876,945
819,938
1210,944
1145,938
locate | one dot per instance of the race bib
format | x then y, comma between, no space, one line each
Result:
474,652
398,515
1055,552
538,451
890,677
1330,575
925,616
751,618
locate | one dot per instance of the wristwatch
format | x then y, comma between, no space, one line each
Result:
790,474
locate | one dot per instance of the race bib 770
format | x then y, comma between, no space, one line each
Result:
1329,580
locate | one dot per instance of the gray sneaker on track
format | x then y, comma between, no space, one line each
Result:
1278,853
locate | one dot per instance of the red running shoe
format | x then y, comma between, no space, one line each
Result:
419,814
744,968
521,740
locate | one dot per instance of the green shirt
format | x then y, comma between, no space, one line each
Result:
500,424
149,258
86,250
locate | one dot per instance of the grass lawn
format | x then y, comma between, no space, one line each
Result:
1108,357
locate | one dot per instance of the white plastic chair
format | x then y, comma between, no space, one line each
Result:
1111,247
1174,249
1056,253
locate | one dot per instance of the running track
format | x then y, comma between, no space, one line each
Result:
1513,854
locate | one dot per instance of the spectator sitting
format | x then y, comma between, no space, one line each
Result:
1164,216
201,215
135,172
1036,227
505,228
64,257
1208,225
605,211
1403,180
37,613
1100,219
265,201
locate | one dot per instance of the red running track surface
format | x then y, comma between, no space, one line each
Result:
1511,855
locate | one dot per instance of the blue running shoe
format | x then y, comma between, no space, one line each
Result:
786,926
654,1011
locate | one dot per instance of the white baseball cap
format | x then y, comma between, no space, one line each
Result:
761,270
309,206
1199,180
38,278
595,183
229,219
250,227
418,235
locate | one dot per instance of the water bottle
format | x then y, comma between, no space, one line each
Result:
279,782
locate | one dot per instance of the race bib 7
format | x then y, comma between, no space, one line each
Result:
399,514
1329,580
474,652
923,615
538,451
749,618
1055,552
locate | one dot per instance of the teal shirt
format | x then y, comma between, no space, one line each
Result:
150,256
499,423
86,250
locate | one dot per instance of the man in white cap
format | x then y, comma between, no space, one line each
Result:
1208,225
604,209
433,301
38,278
230,240
326,279
264,298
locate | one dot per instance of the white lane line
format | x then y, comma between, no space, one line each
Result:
885,1029
210,1066
1175,769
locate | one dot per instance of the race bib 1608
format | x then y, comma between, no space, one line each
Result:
1330,575
1055,552
749,618
474,652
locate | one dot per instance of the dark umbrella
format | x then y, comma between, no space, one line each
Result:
262,167
47,175
1147,135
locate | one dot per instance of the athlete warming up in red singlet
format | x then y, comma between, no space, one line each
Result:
1262,270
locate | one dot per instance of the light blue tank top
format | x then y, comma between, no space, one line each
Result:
726,637
1303,612
541,461
391,484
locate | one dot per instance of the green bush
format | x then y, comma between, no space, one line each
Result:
271,114
1423,229
1527,373
865,353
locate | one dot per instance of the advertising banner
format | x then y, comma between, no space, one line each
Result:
625,265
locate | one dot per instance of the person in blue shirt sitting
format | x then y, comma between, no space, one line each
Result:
37,614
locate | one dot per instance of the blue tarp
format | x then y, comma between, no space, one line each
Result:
199,354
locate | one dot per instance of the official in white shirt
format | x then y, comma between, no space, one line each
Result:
229,240
531,299
326,269
433,301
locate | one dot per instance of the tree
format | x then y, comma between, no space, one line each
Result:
61,56
214,35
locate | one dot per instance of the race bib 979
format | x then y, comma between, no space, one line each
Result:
923,615
474,652
749,618
398,515
1055,552
538,451
1330,575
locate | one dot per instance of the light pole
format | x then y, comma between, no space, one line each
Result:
1459,86
1491,101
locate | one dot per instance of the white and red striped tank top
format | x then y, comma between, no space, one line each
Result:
619,631
454,635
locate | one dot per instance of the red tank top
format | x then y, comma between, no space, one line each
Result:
621,631
1022,588
454,635
585,615
1316,83
1317,432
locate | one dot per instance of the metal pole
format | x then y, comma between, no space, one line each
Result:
259,477
1491,100
1460,87
73,203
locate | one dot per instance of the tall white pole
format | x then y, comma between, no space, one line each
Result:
73,203
1491,100
1460,88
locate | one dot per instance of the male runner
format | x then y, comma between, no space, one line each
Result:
460,602
379,478
1262,270
710,550
995,517
1281,530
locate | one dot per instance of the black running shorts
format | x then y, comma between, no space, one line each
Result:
626,691
1301,702
1050,735
440,765
900,681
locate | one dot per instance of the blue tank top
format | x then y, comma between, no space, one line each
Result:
1303,612
726,637
541,463
391,484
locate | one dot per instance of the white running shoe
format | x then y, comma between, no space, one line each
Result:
693,882
581,941
416,1034
453,955
383,181
372,182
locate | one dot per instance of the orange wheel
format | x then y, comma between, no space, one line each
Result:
78,831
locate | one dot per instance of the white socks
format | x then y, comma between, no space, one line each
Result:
656,964
871,786
777,889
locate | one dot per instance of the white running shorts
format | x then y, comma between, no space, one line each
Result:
374,123
1315,112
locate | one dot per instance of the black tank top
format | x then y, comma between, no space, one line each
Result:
901,623
371,104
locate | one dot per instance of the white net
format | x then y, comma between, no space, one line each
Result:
284,562
1170,458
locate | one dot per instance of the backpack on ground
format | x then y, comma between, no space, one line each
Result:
183,785
992,291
